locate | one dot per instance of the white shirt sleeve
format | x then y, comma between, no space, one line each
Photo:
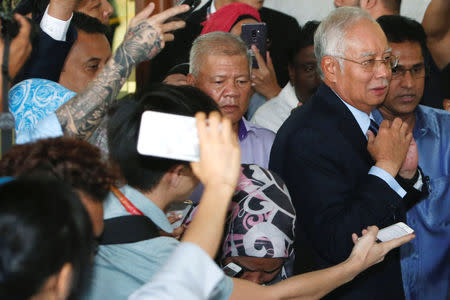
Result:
55,28
190,272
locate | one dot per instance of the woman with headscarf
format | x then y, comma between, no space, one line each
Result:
230,19
260,232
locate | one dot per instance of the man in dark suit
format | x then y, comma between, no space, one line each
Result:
282,31
342,176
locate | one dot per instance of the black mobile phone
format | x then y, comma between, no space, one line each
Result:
255,34
193,4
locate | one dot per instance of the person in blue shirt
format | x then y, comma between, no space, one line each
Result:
424,261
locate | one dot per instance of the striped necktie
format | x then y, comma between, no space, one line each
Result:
374,127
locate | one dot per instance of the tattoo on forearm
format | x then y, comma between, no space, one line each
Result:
82,114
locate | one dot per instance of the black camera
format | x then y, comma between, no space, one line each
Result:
10,26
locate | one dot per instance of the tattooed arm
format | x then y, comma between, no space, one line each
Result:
144,39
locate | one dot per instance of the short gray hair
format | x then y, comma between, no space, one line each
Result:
216,43
329,38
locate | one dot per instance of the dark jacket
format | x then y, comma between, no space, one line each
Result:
282,32
321,154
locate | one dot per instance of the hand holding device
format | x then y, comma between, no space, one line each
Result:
264,79
255,34
367,252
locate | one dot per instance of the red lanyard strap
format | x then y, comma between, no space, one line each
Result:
125,202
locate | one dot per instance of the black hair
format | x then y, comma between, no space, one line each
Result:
35,7
399,29
43,225
179,69
305,39
88,24
145,172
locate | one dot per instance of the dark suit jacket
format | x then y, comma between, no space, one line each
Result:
283,30
47,56
321,154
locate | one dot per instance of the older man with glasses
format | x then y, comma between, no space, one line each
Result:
342,170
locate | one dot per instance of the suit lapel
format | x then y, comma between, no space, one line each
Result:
347,124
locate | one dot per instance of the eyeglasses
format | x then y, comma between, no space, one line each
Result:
372,64
417,71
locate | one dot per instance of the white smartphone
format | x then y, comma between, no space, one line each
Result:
394,231
168,136
232,270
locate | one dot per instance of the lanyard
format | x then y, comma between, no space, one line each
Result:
125,202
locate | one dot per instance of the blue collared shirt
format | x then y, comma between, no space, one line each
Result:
363,121
121,269
425,260
171,282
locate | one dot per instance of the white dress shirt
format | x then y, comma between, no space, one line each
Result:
275,111
55,28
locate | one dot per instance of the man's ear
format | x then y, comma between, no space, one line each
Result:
175,175
190,79
64,281
330,68
367,4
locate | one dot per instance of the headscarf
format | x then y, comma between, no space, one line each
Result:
262,219
33,99
226,17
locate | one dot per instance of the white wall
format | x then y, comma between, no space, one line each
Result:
306,10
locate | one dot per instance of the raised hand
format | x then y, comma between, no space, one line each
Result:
147,35
145,38
220,155
390,146
264,79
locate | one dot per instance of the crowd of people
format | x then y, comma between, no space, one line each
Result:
340,130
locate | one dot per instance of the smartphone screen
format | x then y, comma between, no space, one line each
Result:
232,270
168,136
183,209
394,231
255,34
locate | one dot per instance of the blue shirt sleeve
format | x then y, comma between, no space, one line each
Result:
189,272
382,174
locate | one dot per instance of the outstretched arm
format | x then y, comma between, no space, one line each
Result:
146,36
436,23
314,285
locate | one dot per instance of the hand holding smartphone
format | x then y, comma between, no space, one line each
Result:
393,232
255,34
